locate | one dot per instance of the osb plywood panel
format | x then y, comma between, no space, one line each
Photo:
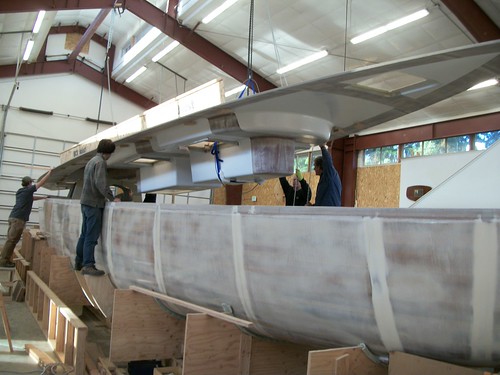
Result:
219,196
72,40
378,186
269,193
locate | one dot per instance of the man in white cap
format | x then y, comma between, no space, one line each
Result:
19,215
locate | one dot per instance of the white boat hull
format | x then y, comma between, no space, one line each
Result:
421,281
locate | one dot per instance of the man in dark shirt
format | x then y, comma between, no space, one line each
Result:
95,193
297,194
329,190
19,215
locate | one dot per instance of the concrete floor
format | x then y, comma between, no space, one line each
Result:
25,330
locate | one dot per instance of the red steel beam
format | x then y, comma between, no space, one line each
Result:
78,67
89,33
157,18
9,6
481,27
194,42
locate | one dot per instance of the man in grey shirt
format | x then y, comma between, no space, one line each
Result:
95,193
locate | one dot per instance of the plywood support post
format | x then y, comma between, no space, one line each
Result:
408,364
216,346
141,329
343,361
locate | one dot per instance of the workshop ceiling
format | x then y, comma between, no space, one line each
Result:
283,32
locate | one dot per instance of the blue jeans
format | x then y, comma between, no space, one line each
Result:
91,230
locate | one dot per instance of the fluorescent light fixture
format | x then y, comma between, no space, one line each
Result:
144,161
150,36
236,90
139,71
218,11
482,85
166,50
38,22
27,51
307,60
390,26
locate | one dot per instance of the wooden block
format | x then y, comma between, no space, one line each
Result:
27,245
44,265
40,357
39,247
271,357
167,371
217,346
408,364
349,360
142,330
212,346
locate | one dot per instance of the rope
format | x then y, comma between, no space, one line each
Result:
215,152
283,80
106,70
250,42
250,83
57,368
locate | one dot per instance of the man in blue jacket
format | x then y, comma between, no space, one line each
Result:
329,190
19,215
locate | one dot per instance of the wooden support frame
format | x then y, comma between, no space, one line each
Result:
27,245
343,361
142,330
213,342
216,346
22,265
408,364
65,332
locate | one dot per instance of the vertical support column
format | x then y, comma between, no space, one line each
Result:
234,194
349,168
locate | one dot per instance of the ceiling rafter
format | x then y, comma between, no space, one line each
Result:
481,27
91,29
157,18
194,42
78,67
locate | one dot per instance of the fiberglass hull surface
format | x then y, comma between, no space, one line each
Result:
421,281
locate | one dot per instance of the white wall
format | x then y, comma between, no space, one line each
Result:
459,180
472,185
33,141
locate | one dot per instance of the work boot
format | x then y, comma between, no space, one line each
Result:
92,271
78,266
7,264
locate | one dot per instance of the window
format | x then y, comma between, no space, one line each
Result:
390,154
381,155
484,140
372,156
458,144
301,162
412,149
435,147
462,143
